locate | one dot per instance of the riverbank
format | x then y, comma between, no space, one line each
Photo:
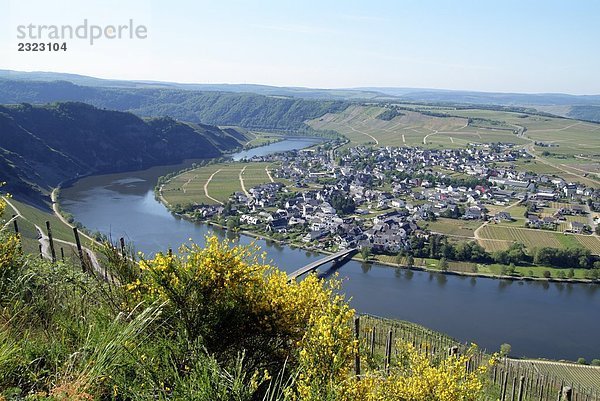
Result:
487,312
253,234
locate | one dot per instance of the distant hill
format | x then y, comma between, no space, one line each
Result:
267,90
41,146
216,108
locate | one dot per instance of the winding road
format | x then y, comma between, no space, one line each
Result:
45,241
242,181
206,187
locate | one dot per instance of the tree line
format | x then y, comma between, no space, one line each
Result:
439,247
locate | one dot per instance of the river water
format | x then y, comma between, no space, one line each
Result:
549,320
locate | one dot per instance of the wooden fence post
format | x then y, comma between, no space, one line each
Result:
15,224
41,253
521,388
357,352
373,341
514,387
388,352
51,240
79,249
122,241
62,254
504,385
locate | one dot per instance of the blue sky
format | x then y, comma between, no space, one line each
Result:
506,46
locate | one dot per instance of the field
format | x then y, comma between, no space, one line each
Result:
361,125
214,184
261,138
453,227
498,237
571,148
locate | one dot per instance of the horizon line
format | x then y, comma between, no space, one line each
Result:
349,88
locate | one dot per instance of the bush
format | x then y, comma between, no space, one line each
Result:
417,378
212,323
581,361
505,349
232,302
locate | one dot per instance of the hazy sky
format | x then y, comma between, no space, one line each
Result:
505,45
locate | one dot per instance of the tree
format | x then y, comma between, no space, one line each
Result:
410,261
596,362
399,259
342,204
571,273
511,270
365,252
233,223
505,349
444,264
516,253
581,361
547,274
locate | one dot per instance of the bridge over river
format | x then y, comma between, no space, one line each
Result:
338,256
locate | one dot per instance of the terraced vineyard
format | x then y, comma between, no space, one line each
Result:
542,380
578,376
571,145
214,183
590,242
532,238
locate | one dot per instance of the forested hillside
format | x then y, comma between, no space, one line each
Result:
217,108
41,146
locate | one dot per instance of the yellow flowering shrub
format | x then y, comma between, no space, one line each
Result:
10,249
229,299
417,378
10,244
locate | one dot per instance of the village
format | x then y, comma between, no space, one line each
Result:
382,198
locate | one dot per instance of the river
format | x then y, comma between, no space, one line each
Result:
539,319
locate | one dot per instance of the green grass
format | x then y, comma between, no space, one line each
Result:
535,238
463,228
261,138
576,155
34,216
189,186
481,268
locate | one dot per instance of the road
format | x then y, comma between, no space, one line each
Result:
242,181
45,241
206,187
476,232
269,174
54,200
427,136
529,149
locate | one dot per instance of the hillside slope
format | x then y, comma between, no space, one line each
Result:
41,146
217,108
